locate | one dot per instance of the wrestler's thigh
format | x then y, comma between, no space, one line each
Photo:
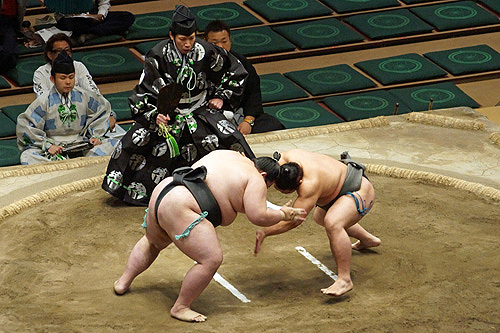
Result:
156,235
202,243
319,216
342,213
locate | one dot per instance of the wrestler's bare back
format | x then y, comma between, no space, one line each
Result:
322,174
228,173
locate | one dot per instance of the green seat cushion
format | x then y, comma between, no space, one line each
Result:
365,105
231,13
444,95
4,84
328,80
259,40
302,114
29,50
284,10
144,47
346,6
126,127
411,2
276,87
103,40
474,59
319,33
7,126
455,15
110,61
119,104
33,3
22,74
402,68
492,4
150,25
13,111
388,24
9,153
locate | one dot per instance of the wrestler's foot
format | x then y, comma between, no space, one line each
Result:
339,288
366,244
186,314
120,289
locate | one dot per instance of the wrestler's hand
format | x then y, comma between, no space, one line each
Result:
55,149
95,141
293,214
215,103
162,119
259,239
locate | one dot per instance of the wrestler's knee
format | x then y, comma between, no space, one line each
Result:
214,260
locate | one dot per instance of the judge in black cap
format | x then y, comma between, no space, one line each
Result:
63,65
209,80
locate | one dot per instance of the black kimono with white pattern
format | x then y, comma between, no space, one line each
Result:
142,158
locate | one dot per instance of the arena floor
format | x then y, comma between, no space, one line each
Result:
64,241
437,213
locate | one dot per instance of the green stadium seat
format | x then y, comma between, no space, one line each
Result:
9,153
119,104
29,50
7,126
302,114
13,111
455,15
126,127
276,87
258,41
4,84
33,3
150,25
412,2
494,5
443,95
347,6
109,62
365,105
284,10
22,74
402,68
144,47
231,13
388,24
328,80
466,60
319,33
103,40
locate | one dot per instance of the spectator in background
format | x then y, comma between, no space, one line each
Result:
54,46
41,78
11,18
98,22
61,116
250,117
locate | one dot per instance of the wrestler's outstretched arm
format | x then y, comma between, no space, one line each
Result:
254,201
305,202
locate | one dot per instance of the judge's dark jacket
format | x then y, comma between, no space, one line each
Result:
146,155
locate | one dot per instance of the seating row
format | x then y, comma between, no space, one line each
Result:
315,33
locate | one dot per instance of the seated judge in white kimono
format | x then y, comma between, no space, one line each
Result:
63,118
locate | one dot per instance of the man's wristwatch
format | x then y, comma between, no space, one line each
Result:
250,121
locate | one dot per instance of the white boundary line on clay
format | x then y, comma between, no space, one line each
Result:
223,282
316,262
